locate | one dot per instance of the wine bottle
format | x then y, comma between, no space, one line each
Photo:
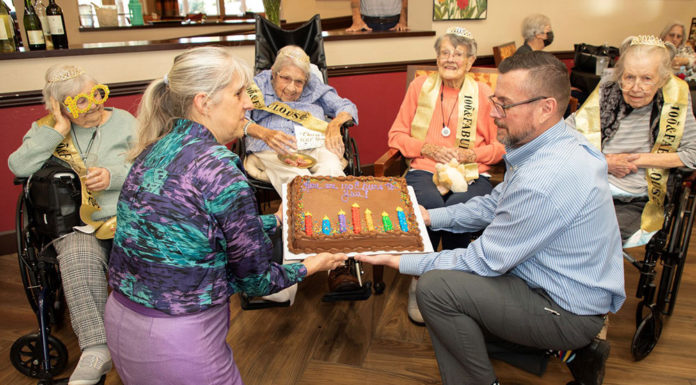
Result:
56,24
7,41
40,10
32,25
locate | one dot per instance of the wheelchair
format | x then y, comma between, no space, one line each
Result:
269,39
41,355
668,247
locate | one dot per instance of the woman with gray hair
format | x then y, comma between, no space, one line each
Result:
283,93
536,32
444,119
93,141
643,122
189,235
675,33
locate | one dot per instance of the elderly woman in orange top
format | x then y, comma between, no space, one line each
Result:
445,117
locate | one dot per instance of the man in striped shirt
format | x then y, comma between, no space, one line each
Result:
548,265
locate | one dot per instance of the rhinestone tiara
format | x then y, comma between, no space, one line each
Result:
459,31
70,73
647,40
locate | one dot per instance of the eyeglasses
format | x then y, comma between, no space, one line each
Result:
298,83
500,108
83,102
456,55
627,82
675,35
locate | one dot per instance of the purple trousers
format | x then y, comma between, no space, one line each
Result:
152,348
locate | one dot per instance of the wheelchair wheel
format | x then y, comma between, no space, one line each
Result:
647,335
27,357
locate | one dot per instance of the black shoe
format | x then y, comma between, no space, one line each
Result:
588,366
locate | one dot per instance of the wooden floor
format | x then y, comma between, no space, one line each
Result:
372,342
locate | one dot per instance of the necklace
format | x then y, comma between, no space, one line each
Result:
89,145
446,130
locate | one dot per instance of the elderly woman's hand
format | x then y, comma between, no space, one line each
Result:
97,179
621,165
466,155
333,140
280,142
439,154
323,261
62,123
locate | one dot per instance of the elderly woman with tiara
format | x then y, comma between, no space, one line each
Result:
189,235
444,117
93,140
642,120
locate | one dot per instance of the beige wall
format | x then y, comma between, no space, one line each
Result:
573,21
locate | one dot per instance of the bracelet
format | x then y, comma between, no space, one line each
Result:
246,126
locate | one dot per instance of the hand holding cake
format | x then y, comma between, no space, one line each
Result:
323,261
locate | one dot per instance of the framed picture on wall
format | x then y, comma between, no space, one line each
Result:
460,9
692,31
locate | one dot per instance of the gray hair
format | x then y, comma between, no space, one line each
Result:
58,89
533,25
203,69
664,56
669,27
291,55
456,41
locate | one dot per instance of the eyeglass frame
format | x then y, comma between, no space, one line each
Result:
445,55
70,102
643,85
503,107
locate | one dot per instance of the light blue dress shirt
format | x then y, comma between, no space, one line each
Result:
317,98
550,222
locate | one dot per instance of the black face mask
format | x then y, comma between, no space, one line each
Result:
549,39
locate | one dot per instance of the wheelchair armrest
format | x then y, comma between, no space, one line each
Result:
19,180
387,160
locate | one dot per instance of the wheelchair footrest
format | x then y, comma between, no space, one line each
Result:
255,303
353,295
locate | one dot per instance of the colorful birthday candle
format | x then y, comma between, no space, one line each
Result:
386,221
326,225
368,220
342,221
402,219
355,214
308,223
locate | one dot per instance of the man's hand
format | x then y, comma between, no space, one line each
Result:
62,123
425,214
400,26
358,25
621,165
97,179
438,153
390,260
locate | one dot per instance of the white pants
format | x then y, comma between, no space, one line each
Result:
328,164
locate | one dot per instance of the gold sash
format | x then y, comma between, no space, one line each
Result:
67,152
467,115
672,120
304,118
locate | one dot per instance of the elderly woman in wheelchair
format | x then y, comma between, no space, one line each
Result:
287,130
83,134
643,121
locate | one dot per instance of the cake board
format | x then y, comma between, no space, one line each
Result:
290,256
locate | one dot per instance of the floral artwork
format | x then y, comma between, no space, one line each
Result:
459,9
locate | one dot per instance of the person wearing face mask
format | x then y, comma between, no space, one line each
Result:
444,117
537,33
642,120
675,33
83,128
